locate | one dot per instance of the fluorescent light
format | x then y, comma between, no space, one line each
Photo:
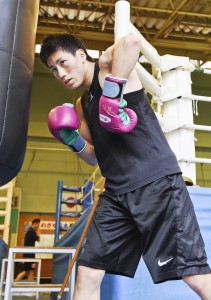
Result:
207,65
93,53
37,48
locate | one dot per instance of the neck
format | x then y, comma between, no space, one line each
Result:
90,73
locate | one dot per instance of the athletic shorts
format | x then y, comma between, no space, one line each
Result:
156,222
28,266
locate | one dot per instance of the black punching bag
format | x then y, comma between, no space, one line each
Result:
18,24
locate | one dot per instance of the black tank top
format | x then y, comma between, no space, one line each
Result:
128,160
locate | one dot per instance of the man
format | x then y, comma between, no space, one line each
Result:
145,209
31,236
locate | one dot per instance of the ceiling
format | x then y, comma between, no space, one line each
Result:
178,27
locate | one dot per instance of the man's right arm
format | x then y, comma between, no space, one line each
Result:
37,235
70,128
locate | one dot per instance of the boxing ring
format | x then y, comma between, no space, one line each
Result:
76,234
83,196
170,87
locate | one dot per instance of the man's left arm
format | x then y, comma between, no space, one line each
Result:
117,75
120,59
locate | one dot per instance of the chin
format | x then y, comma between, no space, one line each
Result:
70,87
73,86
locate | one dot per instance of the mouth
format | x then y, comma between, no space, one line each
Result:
66,82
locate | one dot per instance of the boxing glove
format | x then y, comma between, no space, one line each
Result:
113,114
63,124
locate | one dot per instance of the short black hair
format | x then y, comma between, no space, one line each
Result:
66,42
36,221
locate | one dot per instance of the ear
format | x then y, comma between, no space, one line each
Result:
81,54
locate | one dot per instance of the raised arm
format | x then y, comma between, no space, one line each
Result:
120,60
118,76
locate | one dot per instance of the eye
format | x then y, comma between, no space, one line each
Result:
63,62
53,70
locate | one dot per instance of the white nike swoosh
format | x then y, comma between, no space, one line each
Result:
160,264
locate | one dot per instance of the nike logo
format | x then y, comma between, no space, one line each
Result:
165,262
91,97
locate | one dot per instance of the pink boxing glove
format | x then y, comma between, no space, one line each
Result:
113,114
63,124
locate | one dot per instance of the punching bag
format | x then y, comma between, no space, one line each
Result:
18,24
3,251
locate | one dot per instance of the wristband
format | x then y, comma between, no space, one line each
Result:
79,145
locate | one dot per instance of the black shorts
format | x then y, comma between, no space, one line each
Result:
156,221
28,266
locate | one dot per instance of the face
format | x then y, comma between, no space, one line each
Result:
68,69
36,226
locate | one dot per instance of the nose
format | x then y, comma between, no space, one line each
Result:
61,73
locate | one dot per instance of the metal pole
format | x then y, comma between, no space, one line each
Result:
197,98
122,28
196,160
58,210
147,49
198,127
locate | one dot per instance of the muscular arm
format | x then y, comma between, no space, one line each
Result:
88,154
120,60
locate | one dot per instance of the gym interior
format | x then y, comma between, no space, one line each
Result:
47,180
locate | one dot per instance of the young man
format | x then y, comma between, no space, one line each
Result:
31,236
145,209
